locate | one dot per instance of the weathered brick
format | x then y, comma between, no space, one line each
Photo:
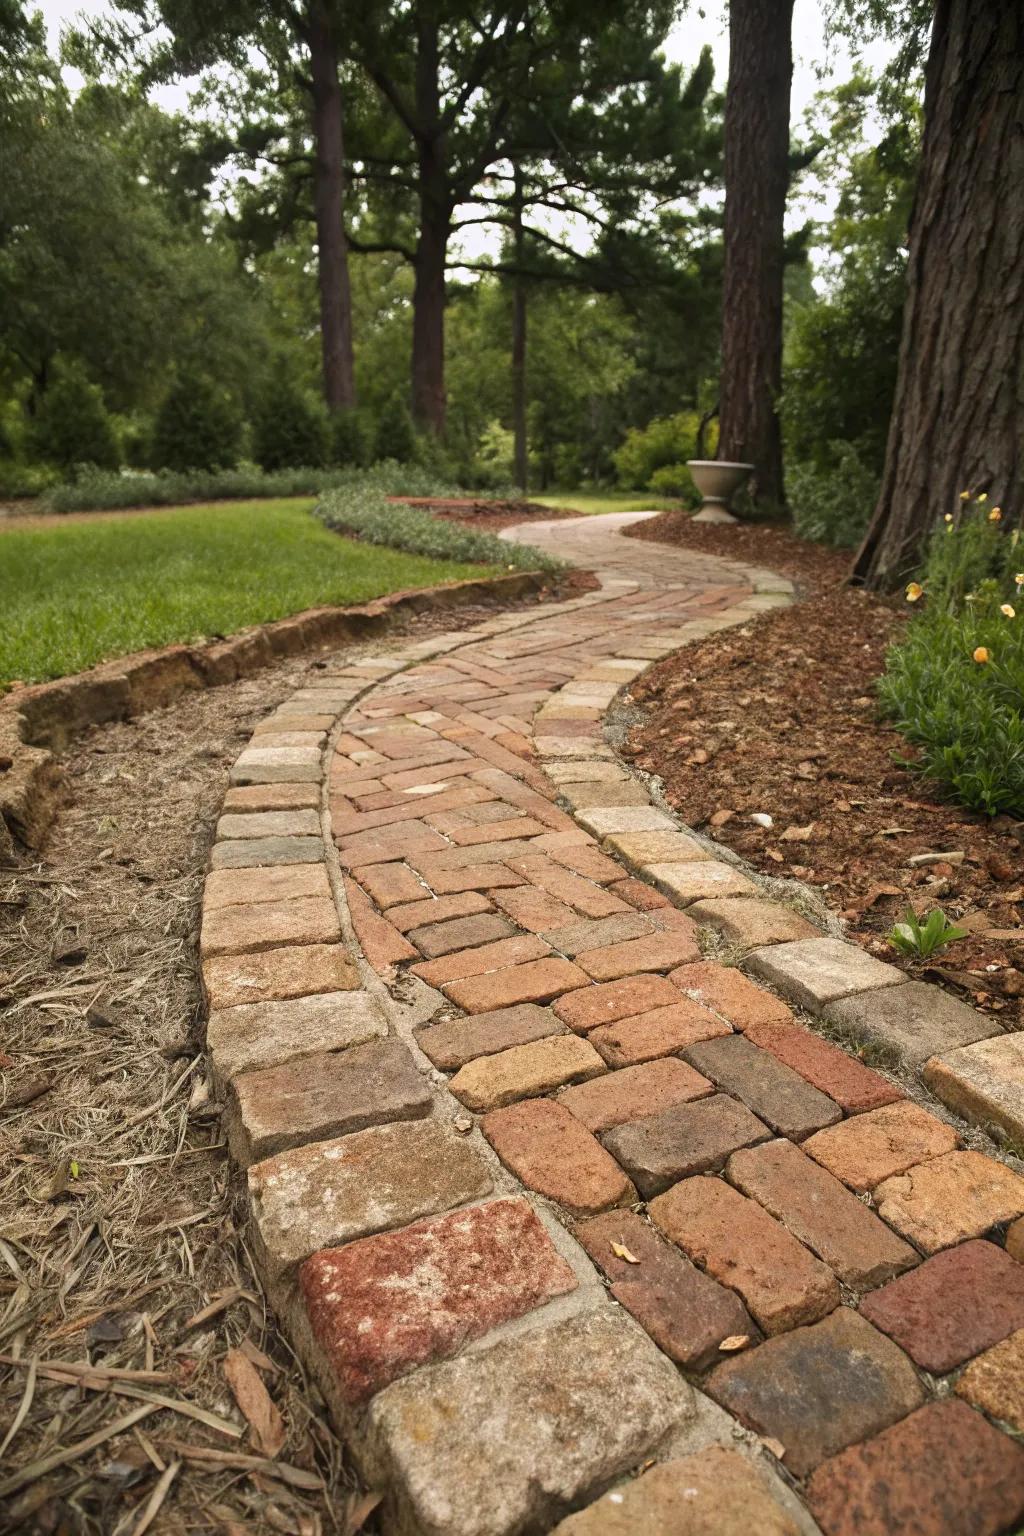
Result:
451,1044
585,796
586,1009
258,852
567,886
321,1096
605,821
532,909
715,1492
953,1197
819,1389
873,1146
272,797
331,1192
390,884
270,765
386,844
686,1313
1015,1240
751,921
995,1382
633,1093
239,930
655,952
512,1437
437,909
643,897
486,957
915,1021
579,854
738,1243
482,877
282,882
642,848
940,1472
536,982
955,1305
381,943
727,992
699,880
525,1071
252,1036
816,1208
983,1082
277,973
458,933
495,832
590,933
854,1087
662,1032
551,1152
458,1276
659,1149
816,971
780,1096
269,824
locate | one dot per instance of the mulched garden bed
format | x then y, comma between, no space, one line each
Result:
486,515
780,718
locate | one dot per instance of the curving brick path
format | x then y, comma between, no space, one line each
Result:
579,1227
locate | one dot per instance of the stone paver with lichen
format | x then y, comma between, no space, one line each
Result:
579,1227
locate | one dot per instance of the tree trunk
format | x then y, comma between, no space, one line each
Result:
329,199
756,182
958,415
428,301
519,323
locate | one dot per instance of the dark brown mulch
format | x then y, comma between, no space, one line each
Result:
487,516
780,718
813,567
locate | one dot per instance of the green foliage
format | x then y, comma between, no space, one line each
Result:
672,480
367,514
24,480
955,685
395,437
71,425
350,440
665,441
77,593
289,428
832,504
197,426
912,937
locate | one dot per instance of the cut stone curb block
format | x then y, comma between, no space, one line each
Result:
246,887
687,1139
954,1197
634,1092
322,1096
510,1438
698,881
254,1036
871,1147
272,797
276,974
777,1094
915,1020
457,1277
586,1009
536,982
956,1304
855,1087
443,938
525,1072
750,921
983,1082
258,852
819,1389
605,821
454,1042
269,824
585,797
941,1472
552,1153
662,1032
727,992
639,849
815,1207
813,972
654,952
274,765
995,1382
332,1192
687,1314
239,930
742,1246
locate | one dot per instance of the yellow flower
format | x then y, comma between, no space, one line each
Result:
965,495
981,654
949,517
914,591
1008,610
983,496
995,514
1019,578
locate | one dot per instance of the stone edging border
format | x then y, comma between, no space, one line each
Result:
38,722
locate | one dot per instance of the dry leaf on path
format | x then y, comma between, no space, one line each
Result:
255,1402
359,1511
775,1446
735,1341
797,834
622,1252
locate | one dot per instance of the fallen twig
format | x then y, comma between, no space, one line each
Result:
45,1464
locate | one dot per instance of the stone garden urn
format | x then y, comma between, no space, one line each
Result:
718,480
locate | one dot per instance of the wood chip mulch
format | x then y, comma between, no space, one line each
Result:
780,718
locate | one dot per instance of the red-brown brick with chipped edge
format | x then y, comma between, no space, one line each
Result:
532,909
479,877
437,909
535,982
853,1086
634,1092
662,1032
584,895
644,898
390,884
489,957
552,1153
615,1000
654,952
726,991
379,940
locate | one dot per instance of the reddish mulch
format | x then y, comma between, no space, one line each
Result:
487,516
780,717
812,566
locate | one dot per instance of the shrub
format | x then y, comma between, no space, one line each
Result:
365,512
395,437
289,427
197,426
351,437
955,685
24,480
667,440
833,505
671,480
71,425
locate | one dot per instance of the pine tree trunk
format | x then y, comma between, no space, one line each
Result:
519,336
958,415
428,302
756,183
329,199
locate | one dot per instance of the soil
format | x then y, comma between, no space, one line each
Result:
779,718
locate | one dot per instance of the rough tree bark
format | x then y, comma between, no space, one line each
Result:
428,389
958,415
519,330
756,182
329,199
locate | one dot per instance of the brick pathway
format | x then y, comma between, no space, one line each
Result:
579,1227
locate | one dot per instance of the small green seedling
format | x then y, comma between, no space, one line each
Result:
913,937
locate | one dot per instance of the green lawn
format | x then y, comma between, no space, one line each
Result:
77,593
607,501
